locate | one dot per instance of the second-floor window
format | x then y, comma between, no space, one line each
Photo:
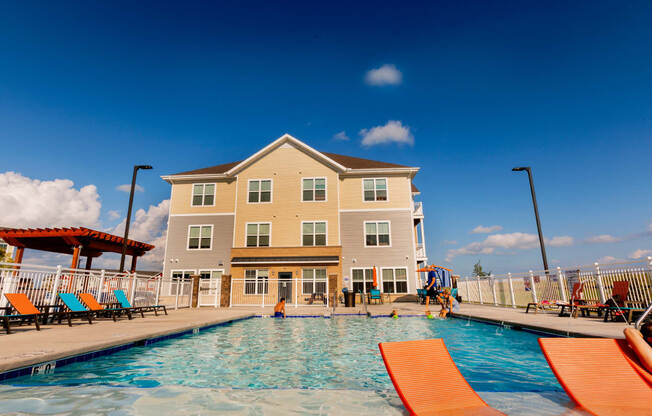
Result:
199,237
313,233
376,233
260,190
258,235
375,189
203,194
314,189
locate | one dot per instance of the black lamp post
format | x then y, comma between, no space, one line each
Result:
536,214
131,201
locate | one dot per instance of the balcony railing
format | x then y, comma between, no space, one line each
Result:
421,252
418,209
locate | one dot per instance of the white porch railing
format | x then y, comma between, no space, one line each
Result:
421,252
41,284
519,289
267,292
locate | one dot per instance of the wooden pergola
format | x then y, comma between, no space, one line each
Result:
77,241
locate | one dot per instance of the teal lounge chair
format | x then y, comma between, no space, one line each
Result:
74,309
124,302
374,294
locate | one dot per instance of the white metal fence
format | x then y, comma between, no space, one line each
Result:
267,292
519,289
41,284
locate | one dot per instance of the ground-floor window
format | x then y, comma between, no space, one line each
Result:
177,276
394,280
363,280
256,282
314,281
210,274
182,274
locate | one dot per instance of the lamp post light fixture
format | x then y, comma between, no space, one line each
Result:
536,214
131,202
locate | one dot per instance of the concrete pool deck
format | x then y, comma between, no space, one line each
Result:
26,346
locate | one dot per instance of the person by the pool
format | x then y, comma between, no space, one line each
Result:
279,309
431,291
448,303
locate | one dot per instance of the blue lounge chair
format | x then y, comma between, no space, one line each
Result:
124,302
74,309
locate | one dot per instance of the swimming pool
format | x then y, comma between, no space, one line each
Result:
306,366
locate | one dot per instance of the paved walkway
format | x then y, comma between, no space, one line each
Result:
26,346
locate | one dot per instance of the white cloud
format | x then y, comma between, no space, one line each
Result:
486,230
561,241
387,74
519,241
341,136
510,241
27,202
602,238
609,259
149,227
127,188
113,214
392,132
640,253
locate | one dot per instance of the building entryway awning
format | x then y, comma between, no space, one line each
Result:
238,261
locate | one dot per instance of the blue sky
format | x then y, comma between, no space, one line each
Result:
88,90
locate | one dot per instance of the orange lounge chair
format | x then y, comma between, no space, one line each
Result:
96,307
411,365
602,376
26,311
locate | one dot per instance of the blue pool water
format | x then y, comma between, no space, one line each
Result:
302,366
340,353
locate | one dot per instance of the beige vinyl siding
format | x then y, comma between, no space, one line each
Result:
286,166
181,202
398,187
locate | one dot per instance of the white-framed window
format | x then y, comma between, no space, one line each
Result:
200,237
313,233
362,279
203,194
377,234
259,234
210,274
313,281
259,191
374,189
177,276
313,189
256,282
394,279
3,246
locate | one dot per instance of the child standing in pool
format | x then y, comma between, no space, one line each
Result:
448,303
279,309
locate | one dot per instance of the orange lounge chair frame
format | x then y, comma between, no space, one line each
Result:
25,308
411,365
95,306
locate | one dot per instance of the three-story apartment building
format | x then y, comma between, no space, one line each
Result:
290,211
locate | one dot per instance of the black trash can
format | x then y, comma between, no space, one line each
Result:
349,300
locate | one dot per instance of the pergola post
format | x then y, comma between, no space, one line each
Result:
134,260
89,262
75,257
19,255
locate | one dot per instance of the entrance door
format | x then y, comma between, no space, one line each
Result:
285,286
